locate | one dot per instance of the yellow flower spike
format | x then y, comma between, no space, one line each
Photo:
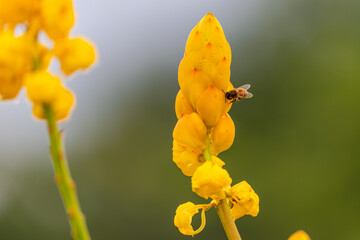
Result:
211,106
74,54
244,200
182,105
299,235
223,135
191,131
193,85
57,17
210,180
61,106
42,86
184,214
186,158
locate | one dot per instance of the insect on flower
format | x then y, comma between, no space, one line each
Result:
237,94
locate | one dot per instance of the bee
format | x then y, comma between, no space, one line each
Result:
237,94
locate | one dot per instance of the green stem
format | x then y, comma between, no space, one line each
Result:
227,221
64,180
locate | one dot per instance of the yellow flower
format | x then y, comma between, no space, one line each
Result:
244,200
184,214
191,131
223,134
299,235
182,106
16,11
74,54
57,17
210,180
15,60
42,87
61,106
183,218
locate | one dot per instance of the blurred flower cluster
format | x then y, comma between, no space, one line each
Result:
204,128
24,60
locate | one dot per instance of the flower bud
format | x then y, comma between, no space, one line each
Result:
211,105
221,75
182,106
42,87
186,158
193,85
244,200
74,54
299,235
210,180
223,135
191,131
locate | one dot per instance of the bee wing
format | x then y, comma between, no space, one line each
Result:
246,86
250,95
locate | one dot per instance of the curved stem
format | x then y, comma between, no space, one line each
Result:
64,180
227,221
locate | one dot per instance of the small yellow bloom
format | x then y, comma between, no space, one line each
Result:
61,106
299,235
191,131
211,105
74,54
184,214
210,180
223,135
183,218
244,200
42,87
182,106
57,17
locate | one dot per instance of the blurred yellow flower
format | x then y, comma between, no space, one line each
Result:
299,235
244,200
183,218
57,17
42,87
74,54
210,180
17,11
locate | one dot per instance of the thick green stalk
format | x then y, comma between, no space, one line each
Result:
64,180
227,221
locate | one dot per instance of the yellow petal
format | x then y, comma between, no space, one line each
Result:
182,106
186,158
191,131
223,135
193,85
221,75
211,105
244,200
210,180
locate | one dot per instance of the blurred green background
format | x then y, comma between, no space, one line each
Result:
297,141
